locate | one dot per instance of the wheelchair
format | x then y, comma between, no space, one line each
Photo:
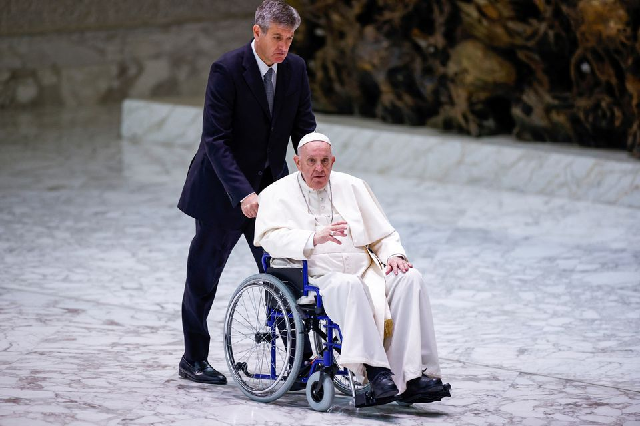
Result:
269,319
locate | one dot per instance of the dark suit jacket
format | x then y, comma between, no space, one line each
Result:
239,134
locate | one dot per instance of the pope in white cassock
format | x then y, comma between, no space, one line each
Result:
334,221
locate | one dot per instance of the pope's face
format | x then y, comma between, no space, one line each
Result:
272,46
315,163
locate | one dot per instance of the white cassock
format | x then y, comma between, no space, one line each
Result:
385,320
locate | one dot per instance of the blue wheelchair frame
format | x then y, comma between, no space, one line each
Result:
321,373
327,359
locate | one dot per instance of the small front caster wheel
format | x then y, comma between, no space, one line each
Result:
320,394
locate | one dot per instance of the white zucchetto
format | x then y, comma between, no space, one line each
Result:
313,137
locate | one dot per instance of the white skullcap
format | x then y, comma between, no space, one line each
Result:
313,137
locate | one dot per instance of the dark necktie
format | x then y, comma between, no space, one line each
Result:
268,86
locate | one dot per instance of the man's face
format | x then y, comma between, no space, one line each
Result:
315,162
272,46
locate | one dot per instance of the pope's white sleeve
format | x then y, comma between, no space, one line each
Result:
308,248
388,246
275,233
284,242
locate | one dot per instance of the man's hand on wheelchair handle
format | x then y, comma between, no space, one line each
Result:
329,233
396,264
249,205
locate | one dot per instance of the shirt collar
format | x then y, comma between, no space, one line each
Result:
261,65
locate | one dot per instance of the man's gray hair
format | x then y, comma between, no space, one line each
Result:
276,12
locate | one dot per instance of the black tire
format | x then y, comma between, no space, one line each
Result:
249,341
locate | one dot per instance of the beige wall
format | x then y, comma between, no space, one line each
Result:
83,52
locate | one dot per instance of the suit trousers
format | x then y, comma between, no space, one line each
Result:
208,254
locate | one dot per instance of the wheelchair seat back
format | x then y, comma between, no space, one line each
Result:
292,277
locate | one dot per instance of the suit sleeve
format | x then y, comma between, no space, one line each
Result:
217,133
305,121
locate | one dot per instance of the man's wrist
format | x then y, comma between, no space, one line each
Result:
253,193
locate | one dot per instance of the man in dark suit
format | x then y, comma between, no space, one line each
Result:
257,98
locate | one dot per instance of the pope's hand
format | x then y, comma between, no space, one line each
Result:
396,264
249,205
329,233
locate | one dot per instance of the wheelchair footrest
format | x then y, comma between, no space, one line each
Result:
434,394
365,399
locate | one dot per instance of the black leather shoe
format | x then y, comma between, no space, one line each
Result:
382,386
423,384
425,389
201,372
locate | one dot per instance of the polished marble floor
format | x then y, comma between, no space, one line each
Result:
536,299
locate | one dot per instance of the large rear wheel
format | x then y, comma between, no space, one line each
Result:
263,338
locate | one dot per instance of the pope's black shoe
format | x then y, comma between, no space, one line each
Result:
425,389
201,372
383,389
382,386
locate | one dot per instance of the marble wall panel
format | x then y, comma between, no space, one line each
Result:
26,17
94,67
370,147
